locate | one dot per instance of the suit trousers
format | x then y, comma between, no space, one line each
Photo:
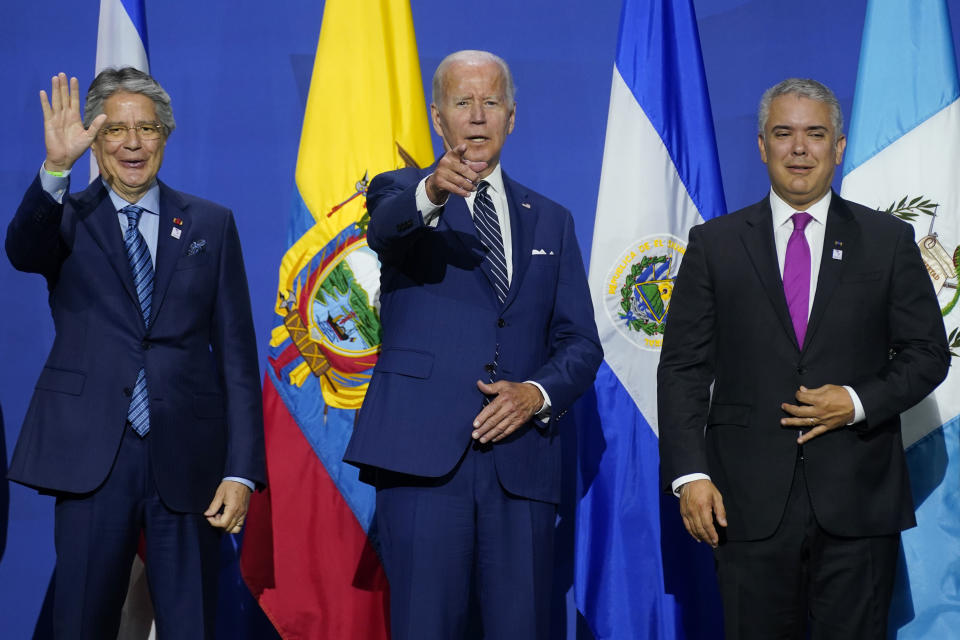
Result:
453,543
803,582
96,536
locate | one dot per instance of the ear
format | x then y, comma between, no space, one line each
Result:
512,118
435,119
763,148
841,145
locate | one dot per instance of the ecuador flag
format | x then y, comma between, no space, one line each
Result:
308,555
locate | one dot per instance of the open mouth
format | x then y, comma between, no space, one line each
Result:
133,164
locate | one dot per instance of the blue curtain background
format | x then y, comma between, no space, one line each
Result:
238,74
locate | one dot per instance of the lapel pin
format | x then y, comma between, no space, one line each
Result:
175,232
837,250
525,205
178,222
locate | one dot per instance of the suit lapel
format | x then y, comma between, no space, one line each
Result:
95,208
758,241
169,247
522,224
841,233
457,217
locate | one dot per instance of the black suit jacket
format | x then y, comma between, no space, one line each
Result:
875,325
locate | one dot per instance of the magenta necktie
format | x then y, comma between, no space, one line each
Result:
796,275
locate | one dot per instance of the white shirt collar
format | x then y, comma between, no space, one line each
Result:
495,180
782,211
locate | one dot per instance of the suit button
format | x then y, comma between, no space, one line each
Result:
501,323
801,370
489,367
127,391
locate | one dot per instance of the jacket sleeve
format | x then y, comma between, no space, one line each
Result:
686,368
395,222
919,356
575,351
234,344
34,243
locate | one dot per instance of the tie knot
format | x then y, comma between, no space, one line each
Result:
133,213
800,220
482,187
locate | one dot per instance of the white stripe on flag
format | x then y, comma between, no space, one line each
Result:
641,195
118,45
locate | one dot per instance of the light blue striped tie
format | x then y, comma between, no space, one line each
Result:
488,226
138,254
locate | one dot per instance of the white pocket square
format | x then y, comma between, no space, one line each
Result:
539,252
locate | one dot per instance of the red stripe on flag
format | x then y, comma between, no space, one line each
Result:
304,550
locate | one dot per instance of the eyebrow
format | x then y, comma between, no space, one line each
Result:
815,127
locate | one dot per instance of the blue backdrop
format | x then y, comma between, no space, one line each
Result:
238,73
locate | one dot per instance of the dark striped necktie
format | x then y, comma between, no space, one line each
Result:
138,255
488,227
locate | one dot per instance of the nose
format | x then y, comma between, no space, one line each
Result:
477,115
132,141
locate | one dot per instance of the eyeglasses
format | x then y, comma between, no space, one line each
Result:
145,130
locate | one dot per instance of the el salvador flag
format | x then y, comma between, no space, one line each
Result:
903,157
636,572
121,42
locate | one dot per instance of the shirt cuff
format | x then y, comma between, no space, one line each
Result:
429,211
682,480
243,481
543,413
859,415
55,185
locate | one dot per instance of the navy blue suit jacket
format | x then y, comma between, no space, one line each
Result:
442,324
206,417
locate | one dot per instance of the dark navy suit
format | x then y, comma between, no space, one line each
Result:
200,359
444,329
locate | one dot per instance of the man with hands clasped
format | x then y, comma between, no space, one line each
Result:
488,338
147,414
800,328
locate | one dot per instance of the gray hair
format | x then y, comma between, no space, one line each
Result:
127,80
805,88
472,56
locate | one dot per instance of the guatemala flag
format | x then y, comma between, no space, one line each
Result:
903,157
660,177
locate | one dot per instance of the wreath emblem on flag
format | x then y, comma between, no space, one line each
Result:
639,288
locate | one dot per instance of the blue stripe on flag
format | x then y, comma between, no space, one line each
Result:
137,10
638,572
912,81
659,59
926,601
